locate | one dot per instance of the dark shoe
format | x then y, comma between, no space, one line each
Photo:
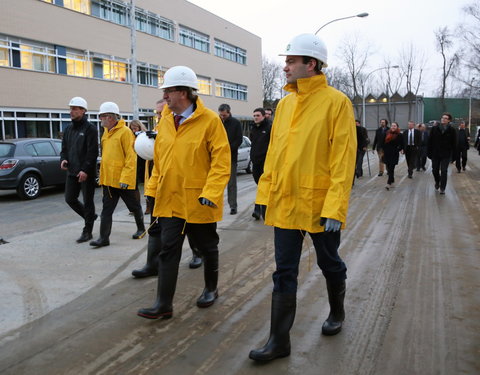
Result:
437,186
138,234
283,315
233,211
380,174
195,262
256,215
100,242
459,170
463,169
155,313
442,191
146,271
207,298
410,176
86,236
336,296
418,169
424,169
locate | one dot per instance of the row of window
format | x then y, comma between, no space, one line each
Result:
118,12
57,59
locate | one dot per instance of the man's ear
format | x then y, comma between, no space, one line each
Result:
311,65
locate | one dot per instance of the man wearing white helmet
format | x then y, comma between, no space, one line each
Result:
191,170
79,159
118,172
306,186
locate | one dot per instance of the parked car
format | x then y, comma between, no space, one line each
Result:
28,164
244,163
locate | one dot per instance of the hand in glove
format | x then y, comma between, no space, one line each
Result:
331,225
151,134
123,186
206,202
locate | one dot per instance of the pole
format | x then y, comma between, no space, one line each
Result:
470,106
361,15
133,60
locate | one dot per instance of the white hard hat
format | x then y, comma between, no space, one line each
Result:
180,76
307,45
78,102
109,107
144,146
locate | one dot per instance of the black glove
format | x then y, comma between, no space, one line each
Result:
151,134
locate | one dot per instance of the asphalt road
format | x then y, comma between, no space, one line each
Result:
412,301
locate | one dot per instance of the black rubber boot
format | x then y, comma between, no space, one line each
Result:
210,274
151,267
105,230
257,212
167,283
283,314
140,225
336,296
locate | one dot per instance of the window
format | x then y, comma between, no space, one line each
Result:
229,52
140,20
110,10
194,39
230,90
44,149
4,53
147,75
37,58
77,65
160,26
204,85
114,70
82,6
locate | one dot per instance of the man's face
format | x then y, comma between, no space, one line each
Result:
462,125
445,120
224,115
357,123
108,120
76,113
383,123
159,109
411,125
268,114
295,69
174,99
258,117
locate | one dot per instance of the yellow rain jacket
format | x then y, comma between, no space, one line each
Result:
310,162
190,163
119,160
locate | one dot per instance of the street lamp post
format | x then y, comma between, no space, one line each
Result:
361,15
133,60
470,106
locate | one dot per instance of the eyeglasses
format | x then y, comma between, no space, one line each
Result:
170,90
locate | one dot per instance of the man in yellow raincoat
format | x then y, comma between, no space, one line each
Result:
191,170
118,171
306,186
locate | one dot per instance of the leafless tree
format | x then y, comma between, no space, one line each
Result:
340,79
450,60
272,81
470,35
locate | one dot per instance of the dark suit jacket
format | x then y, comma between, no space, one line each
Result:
379,138
417,137
442,145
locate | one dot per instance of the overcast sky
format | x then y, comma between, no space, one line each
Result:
389,26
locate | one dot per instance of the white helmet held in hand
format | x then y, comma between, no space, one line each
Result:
109,107
78,102
144,146
307,45
180,76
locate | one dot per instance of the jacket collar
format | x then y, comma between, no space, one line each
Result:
308,85
120,124
200,108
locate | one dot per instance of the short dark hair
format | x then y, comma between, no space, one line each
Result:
447,114
318,65
261,110
224,107
386,121
269,109
356,120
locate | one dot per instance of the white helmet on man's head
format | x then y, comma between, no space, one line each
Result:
109,107
144,146
78,102
180,76
307,45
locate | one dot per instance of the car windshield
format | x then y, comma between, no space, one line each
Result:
6,150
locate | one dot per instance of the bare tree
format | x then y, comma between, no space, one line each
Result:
340,79
391,79
449,60
412,63
271,80
468,32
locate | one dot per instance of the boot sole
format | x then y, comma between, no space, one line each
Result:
141,276
269,358
207,304
166,315
331,333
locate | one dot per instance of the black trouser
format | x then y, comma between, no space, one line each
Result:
421,157
111,196
390,172
257,170
359,163
411,157
440,170
461,154
86,209
232,186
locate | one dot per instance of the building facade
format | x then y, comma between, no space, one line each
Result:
53,50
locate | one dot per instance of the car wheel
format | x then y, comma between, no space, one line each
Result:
249,167
29,187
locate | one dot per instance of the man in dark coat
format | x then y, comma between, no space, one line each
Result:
235,138
378,144
442,144
463,144
260,137
79,158
362,143
422,150
411,141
